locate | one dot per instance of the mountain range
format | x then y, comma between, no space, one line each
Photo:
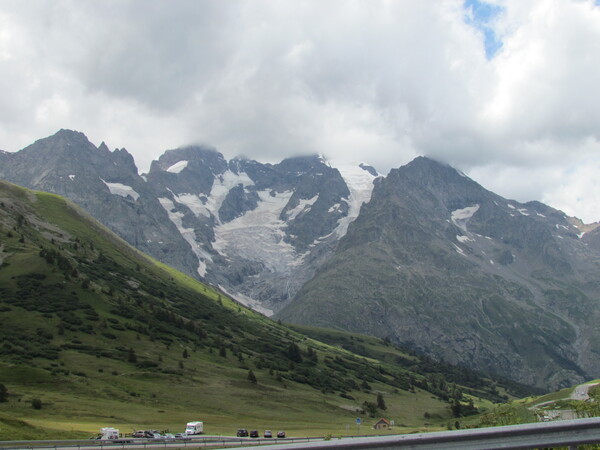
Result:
424,256
96,332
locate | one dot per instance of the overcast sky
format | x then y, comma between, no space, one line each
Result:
505,90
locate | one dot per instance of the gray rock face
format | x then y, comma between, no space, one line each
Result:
257,230
425,256
104,183
592,239
437,262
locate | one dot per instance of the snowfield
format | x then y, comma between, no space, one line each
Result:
360,184
460,217
178,167
188,234
122,190
258,234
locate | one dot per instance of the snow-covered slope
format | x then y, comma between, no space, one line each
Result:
359,180
258,230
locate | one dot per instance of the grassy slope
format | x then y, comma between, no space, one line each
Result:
106,336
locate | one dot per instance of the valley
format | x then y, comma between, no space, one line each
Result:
97,334
243,291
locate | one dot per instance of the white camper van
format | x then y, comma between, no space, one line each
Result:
194,428
108,433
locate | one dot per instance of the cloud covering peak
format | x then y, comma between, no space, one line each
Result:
380,81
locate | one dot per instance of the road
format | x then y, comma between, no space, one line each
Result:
581,392
140,443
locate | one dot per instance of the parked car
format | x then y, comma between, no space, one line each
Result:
168,436
242,432
138,434
254,433
281,434
268,434
182,436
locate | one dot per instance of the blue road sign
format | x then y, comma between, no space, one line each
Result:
358,420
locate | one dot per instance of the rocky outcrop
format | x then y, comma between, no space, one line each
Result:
437,262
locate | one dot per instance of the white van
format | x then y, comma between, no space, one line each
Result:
194,428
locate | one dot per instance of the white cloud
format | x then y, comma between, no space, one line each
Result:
379,81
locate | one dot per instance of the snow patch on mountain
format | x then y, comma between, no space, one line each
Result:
188,234
303,206
208,206
178,167
460,217
360,184
459,250
221,187
258,235
194,203
122,190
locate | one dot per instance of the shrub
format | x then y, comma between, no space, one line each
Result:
36,403
3,393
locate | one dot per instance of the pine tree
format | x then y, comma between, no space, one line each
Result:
294,353
251,377
132,357
381,402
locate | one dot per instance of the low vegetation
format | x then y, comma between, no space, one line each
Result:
97,334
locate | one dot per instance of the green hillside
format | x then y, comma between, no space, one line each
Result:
94,334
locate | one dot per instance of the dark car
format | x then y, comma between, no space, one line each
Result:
254,433
242,432
268,434
138,434
281,434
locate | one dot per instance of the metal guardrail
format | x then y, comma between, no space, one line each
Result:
566,433
145,443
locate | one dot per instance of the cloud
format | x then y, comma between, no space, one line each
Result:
498,88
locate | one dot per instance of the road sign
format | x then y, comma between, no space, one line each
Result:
358,420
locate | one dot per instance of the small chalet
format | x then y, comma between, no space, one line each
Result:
382,424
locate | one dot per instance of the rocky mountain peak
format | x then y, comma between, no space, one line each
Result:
187,170
63,141
124,158
196,156
369,169
300,165
103,147
429,173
